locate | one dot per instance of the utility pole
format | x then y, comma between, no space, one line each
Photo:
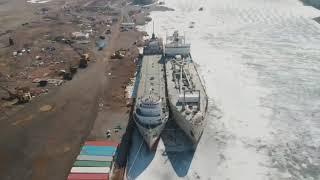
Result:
153,35
11,43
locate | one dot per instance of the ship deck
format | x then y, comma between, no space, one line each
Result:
151,77
173,93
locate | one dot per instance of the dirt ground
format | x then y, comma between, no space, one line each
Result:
114,108
41,139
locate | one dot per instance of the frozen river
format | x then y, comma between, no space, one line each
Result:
260,60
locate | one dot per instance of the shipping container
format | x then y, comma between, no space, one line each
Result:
100,148
92,164
83,176
90,170
97,152
94,158
101,143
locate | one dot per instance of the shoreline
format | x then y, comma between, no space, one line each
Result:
47,142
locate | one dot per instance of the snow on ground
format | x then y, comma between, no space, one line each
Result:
261,64
38,1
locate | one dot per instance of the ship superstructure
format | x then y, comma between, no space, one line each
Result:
151,112
187,97
176,45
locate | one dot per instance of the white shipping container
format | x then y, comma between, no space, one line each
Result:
94,158
90,170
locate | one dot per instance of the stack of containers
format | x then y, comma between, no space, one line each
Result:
94,161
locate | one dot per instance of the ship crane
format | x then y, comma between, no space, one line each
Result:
188,77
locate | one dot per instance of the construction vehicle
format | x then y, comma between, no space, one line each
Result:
73,70
117,55
101,44
11,43
43,83
22,94
108,31
67,76
84,61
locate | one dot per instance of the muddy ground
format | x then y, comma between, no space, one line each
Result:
41,139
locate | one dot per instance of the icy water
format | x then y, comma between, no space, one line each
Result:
261,63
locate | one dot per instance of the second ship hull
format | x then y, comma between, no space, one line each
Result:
193,131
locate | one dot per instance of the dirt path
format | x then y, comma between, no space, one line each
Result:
43,145
41,140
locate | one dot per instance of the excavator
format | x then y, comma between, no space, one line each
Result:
21,94
118,54
84,58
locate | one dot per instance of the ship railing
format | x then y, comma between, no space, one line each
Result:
140,113
147,125
152,119
203,87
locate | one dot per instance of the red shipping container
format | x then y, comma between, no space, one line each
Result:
82,176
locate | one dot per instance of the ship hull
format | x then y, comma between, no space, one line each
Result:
193,131
151,136
151,112
144,2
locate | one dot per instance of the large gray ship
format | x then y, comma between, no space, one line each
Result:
151,112
187,96
144,2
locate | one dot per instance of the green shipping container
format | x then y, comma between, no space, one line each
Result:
92,164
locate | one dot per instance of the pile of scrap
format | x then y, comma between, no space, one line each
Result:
56,82
94,162
127,26
44,82
80,35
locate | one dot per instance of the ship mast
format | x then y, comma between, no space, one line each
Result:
153,35
180,80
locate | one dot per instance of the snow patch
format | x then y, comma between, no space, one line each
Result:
38,1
